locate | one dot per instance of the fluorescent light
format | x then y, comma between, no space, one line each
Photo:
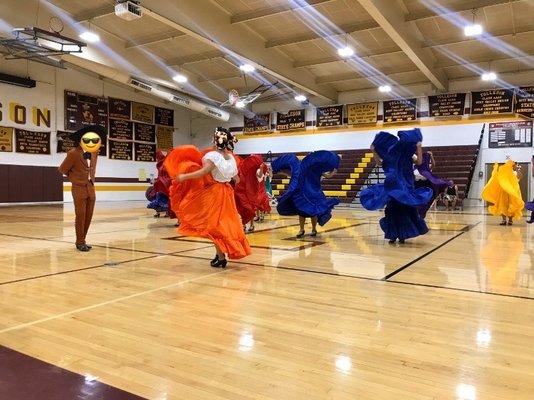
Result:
345,51
473,30
240,104
384,89
247,68
90,37
300,98
489,76
179,78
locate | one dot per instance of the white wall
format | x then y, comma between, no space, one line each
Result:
49,93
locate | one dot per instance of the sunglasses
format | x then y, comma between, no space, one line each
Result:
94,141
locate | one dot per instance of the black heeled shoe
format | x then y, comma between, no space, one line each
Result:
392,241
313,233
300,234
220,263
402,241
214,261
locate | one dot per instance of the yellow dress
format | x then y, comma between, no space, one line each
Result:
503,191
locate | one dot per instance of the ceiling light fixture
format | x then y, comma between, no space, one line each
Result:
345,51
473,30
247,68
301,98
489,76
384,89
90,37
180,78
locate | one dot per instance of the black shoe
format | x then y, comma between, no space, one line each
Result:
392,241
251,229
503,223
529,221
214,261
220,263
88,245
83,247
313,233
300,234
402,241
510,223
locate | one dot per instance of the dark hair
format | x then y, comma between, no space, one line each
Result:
223,139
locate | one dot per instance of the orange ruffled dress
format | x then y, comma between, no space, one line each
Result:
206,207
503,191
250,194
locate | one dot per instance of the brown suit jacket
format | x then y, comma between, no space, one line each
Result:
77,169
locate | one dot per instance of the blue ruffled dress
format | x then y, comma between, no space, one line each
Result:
398,193
304,195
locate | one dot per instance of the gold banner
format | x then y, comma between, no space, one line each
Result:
164,137
362,113
6,139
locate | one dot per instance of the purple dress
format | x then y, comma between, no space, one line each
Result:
437,185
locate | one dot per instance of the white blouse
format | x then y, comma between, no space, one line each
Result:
224,169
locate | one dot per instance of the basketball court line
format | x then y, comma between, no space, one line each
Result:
108,302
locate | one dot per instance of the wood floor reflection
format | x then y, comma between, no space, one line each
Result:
344,315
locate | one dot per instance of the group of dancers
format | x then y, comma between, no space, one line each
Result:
215,194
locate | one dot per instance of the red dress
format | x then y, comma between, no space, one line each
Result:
250,194
205,207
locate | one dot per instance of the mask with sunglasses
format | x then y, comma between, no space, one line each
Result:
90,142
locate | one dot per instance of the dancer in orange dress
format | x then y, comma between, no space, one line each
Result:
203,198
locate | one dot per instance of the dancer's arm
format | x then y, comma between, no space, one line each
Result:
377,158
419,154
67,164
432,160
206,169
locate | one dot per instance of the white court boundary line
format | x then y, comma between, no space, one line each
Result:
105,303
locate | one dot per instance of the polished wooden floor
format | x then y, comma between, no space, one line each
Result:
342,316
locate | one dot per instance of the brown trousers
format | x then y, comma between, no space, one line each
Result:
84,204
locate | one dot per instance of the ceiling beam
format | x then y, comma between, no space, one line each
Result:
209,26
349,76
152,40
94,14
464,5
487,35
481,60
220,78
269,11
331,59
179,61
390,17
346,29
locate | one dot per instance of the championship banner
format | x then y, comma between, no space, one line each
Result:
492,102
294,119
404,110
145,152
30,142
510,134
257,123
120,129
164,136
144,132
446,105
164,116
82,109
524,101
119,108
119,150
6,139
362,113
143,112
329,116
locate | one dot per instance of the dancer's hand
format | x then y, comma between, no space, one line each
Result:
180,178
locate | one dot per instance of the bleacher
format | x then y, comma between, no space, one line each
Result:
452,162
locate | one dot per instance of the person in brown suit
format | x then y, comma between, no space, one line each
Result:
80,167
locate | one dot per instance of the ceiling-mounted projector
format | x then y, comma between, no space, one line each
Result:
128,10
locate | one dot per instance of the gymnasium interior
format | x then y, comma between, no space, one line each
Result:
141,313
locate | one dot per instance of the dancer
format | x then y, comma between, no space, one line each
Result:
304,196
450,197
398,193
250,195
425,178
80,168
158,193
203,198
503,191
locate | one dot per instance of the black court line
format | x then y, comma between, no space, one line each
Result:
317,272
465,229
75,270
